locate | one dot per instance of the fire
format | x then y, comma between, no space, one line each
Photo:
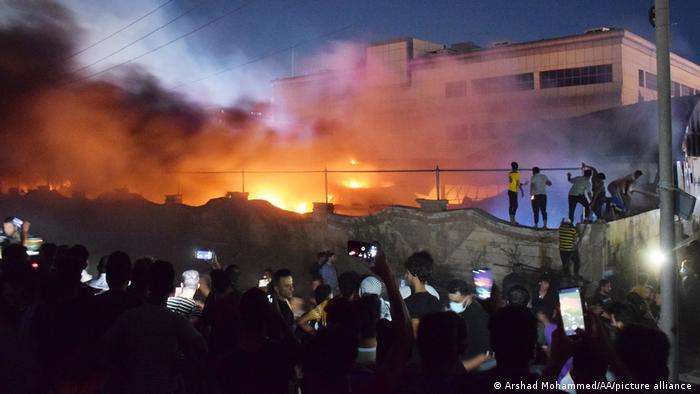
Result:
283,202
354,184
353,162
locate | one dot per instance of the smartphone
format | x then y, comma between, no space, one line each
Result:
17,222
263,282
571,310
365,250
483,281
402,283
203,254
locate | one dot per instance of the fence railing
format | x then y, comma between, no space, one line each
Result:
325,172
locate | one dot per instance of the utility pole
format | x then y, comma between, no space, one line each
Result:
669,271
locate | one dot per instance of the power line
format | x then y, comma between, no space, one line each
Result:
161,27
135,21
262,57
189,33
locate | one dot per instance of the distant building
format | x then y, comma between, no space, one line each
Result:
472,93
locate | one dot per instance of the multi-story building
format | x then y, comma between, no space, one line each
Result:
412,103
469,91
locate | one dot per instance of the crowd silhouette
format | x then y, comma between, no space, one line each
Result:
144,333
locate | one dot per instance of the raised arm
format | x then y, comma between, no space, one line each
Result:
390,372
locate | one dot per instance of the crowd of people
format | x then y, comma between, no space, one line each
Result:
136,328
587,190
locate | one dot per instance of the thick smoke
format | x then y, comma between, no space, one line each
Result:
128,131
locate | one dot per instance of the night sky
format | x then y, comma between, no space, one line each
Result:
251,44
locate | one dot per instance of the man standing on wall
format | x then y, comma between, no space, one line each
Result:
598,183
581,186
538,194
513,186
619,190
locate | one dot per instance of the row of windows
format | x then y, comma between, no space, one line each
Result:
504,83
576,76
648,80
526,81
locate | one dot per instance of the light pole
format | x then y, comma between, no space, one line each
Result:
669,273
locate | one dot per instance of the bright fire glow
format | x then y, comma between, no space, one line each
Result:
353,161
278,200
354,184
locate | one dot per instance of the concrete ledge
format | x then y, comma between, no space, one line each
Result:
432,205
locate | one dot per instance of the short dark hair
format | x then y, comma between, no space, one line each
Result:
587,173
514,165
161,277
460,286
604,282
518,295
442,338
118,269
420,264
321,293
279,274
638,173
513,347
601,175
535,170
645,351
348,283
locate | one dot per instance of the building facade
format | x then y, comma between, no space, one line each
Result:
504,84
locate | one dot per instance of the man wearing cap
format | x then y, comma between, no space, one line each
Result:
568,246
372,285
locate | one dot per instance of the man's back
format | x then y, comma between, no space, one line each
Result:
421,304
184,306
539,184
580,185
477,328
146,342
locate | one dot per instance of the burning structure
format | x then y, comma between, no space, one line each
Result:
406,104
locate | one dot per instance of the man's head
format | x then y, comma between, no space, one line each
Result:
331,257
419,267
605,286
349,284
601,176
638,174
518,295
161,276
190,280
513,336
8,227
321,257
460,293
644,350
544,282
442,338
587,173
322,293
535,170
565,222
233,272
370,285
118,269
283,283
514,166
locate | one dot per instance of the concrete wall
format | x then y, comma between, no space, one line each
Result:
255,235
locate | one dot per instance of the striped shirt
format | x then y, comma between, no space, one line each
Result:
184,306
567,238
